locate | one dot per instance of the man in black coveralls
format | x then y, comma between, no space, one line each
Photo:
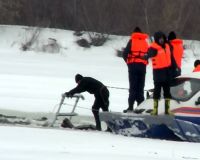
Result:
95,87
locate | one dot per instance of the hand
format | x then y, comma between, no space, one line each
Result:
145,57
68,94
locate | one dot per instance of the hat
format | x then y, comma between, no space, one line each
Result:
196,63
137,29
78,77
171,36
158,35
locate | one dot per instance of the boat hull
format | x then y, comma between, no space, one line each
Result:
161,126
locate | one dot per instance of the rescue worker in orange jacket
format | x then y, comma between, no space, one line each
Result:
196,66
132,55
160,54
176,46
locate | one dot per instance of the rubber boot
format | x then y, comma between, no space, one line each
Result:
167,107
155,107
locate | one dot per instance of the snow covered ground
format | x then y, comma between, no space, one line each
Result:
31,84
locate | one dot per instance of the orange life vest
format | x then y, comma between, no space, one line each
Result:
197,69
163,57
177,45
139,47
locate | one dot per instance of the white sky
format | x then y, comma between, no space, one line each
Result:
33,81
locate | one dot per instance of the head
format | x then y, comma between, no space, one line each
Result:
137,29
171,36
160,38
196,63
78,78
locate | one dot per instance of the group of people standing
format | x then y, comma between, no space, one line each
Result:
165,52
166,55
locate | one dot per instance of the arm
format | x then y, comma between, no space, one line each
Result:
127,50
151,53
78,89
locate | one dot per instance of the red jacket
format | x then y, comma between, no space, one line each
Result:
163,57
197,69
139,47
177,45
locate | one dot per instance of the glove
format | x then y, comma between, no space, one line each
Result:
145,57
68,94
63,95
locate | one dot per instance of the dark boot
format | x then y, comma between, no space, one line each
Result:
129,109
97,120
167,107
155,107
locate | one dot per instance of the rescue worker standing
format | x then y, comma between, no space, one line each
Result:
176,46
132,55
159,52
196,66
95,87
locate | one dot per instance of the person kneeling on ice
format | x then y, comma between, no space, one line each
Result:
93,86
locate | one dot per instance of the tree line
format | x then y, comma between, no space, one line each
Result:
118,17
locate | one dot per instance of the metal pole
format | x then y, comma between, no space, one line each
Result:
56,115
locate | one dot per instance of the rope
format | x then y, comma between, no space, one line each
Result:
117,87
76,106
89,108
122,88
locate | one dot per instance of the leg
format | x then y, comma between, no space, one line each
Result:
140,88
104,98
167,107
156,97
167,96
95,111
132,88
166,90
157,90
155,107
105,103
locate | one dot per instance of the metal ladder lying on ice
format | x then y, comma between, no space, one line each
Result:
72,113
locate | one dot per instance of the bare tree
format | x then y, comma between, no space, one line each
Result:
35,32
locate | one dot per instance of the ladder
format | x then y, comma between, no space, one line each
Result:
72,113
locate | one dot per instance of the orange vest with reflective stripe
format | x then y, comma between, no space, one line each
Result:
163,57
139,47
197,69
177,45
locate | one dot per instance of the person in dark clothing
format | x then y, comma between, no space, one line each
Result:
176,47
135,49
93,86
160,54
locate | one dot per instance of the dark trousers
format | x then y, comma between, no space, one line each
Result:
157,90
137,72
101,101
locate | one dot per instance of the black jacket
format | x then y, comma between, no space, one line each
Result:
88,84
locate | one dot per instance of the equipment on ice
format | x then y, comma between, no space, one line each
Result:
183,125
72,113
